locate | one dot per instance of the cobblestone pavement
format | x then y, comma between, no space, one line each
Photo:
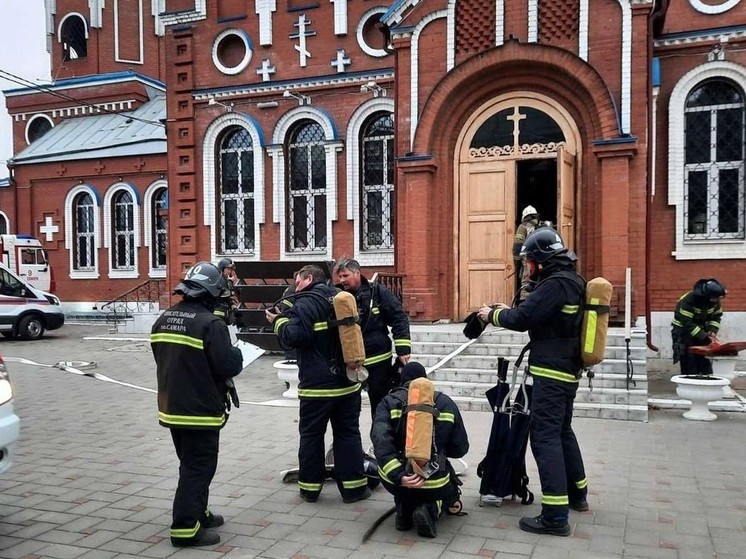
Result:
94,477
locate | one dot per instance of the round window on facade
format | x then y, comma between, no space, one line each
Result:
37,126
231,51
369,36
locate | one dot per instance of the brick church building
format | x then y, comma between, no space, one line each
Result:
408,135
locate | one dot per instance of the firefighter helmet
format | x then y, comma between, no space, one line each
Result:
543,244
709,288
203,280
226,263
529,211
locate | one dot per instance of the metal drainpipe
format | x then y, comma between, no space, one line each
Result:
649,182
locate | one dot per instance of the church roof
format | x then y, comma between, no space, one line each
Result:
139,132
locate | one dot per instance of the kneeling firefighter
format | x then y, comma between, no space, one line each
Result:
415,430
195,365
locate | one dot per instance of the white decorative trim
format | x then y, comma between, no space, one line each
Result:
654,134
70,234
398,14
32,119
451,35
340,16
67,16
157,7
4,219
626,64
713,9
77,110
414,70
264,9
96,7
367,49
276,152
533,21
112,190
354,128
583,15
147,220
198,13
706,249
694,38
128,39
238,68
210,177
499,22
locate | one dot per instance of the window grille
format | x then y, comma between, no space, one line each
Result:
377,183
306,200
160,229
236,192
74,42
714,162
84,228
123,232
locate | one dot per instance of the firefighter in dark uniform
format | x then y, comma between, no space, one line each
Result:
552,315
419,502
195,362
229,302
325,392
696,321
379,309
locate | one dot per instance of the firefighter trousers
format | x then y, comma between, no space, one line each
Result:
380,382
555,447
197,450
344,414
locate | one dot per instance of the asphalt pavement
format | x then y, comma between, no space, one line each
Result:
94,476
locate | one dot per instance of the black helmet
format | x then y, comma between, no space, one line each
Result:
226,263
203,280
709,288
543,244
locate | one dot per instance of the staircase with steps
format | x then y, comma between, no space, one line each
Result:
466,376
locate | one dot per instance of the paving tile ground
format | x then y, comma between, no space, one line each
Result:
94,477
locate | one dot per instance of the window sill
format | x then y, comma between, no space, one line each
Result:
77,274
122,274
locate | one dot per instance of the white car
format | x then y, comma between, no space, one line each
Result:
9,422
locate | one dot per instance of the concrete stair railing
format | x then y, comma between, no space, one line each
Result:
466,376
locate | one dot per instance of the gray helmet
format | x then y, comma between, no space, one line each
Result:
709,288
226,263
203,280
543,244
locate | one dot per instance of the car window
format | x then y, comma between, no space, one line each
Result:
28,256
10,286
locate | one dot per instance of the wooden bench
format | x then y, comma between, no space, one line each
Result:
264,284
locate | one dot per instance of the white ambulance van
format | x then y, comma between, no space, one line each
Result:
25,311
24,256
9,422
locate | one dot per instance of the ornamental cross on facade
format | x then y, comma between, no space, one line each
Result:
301,35
341,61
49,229
266,70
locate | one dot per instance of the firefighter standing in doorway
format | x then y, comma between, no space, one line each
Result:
696,321
552,315
195,363
325,392
529,222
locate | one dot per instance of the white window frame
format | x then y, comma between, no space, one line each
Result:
71,234
32,120
85,26
148,219
706,249
209,177
108,241
4,219
354,130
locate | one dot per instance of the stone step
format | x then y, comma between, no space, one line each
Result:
489,378
489,362
509,350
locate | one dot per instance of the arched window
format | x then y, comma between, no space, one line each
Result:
84,228
236,191
377,182
159,244
306,195
73,36
3,224
714,161
37,126
123,231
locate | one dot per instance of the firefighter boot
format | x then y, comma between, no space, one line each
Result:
540,525
580,505
425,520
203,537
212,520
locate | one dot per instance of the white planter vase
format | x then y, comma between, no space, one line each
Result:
700,389
287,371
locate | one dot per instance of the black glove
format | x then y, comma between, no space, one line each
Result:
232,393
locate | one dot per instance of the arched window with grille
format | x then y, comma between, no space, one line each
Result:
122,231
159,241
377,182
84,229
306,188
73,35
236,192
714,161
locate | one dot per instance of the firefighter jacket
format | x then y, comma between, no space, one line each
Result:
694,317
305,326
524,230
380,309
552,314
194,358
388,436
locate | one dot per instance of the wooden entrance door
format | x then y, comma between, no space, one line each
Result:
566,197
486,232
